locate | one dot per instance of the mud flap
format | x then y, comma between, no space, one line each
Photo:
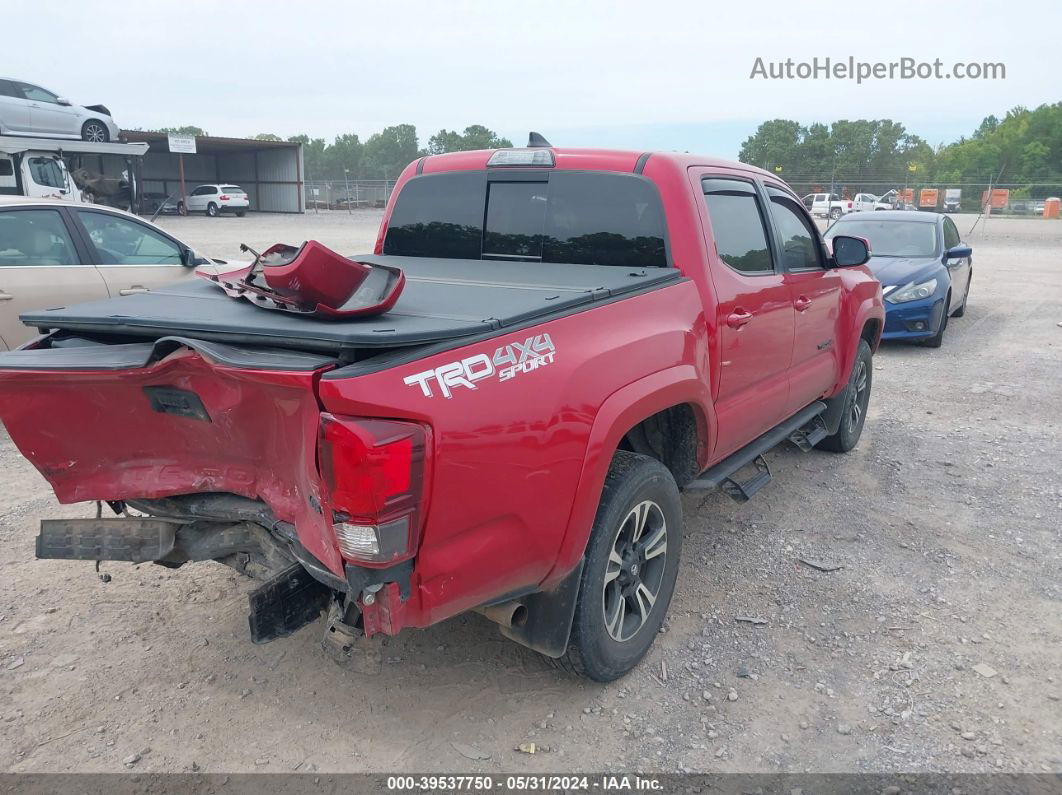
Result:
549,617
128,539
285,604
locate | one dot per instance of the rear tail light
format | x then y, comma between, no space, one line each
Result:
223,197
849,205
374,471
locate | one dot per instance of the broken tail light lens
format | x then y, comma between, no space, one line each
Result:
374,471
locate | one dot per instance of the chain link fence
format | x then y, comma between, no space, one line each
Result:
1017,199
1003,198
347,194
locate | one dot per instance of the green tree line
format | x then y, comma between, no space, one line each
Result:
1023,148
383,155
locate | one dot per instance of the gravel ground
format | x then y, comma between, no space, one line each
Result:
945,523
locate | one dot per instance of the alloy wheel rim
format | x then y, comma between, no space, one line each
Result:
95,133
859,395
634,574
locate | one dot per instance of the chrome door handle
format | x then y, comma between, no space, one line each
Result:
133,290
802,303
5,296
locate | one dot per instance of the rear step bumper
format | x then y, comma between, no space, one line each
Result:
132,540
289,599
804,429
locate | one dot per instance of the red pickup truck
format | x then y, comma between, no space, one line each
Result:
583,333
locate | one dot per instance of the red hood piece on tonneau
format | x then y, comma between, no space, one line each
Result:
313,280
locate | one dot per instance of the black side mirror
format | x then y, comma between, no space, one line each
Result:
957,252
849,251
191,260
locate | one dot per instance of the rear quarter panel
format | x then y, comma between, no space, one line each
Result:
518,463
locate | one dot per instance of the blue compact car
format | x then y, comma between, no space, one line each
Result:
924,268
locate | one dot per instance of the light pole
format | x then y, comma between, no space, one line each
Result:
346,179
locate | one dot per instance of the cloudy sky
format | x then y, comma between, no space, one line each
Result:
660,74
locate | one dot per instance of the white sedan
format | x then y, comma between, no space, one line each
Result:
28,109
215,200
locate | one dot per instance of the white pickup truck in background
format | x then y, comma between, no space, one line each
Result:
832,206
827,205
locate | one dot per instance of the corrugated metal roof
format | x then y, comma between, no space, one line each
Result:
207,144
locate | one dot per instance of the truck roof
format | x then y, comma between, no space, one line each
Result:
588,159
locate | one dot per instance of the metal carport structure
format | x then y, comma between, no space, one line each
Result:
270,171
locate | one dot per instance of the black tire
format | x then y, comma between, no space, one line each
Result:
212,210
965,297
835,213
640,495
241,213
938,339
88,197
95,131
181,209
856,399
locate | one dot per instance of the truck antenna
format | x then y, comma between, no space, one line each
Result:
537,141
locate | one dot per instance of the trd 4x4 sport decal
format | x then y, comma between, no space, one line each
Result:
508,362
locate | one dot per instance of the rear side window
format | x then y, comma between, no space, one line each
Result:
6,168
7,89
35,237
737,225
594,218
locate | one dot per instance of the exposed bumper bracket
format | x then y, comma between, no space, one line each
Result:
285,604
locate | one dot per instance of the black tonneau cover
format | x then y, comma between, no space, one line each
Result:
444,299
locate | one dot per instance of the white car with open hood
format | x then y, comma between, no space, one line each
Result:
29,109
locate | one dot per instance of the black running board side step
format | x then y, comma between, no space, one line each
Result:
806,425
742,490
809,435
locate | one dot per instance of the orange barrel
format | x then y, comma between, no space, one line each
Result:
1051,207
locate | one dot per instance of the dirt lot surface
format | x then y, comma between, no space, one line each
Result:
347,233
936,646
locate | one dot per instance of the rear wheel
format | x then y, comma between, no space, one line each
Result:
181,209
628,579
241,213
212,210
95,131
835,213
856,400
938,339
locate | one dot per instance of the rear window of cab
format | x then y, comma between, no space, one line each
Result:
578,217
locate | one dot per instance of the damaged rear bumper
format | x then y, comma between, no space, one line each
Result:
290,597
